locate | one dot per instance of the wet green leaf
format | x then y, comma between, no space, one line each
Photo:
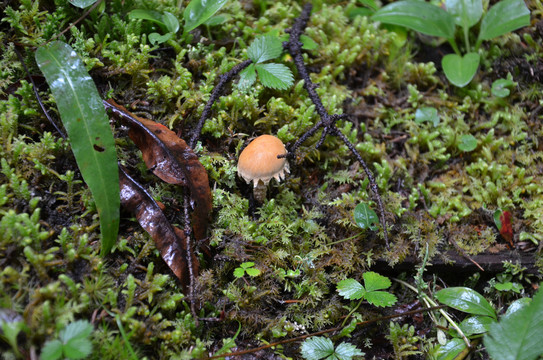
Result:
451,350
82,3
477,324
365,217
466,300
199,11
85,120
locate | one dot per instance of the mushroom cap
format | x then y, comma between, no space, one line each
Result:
259,162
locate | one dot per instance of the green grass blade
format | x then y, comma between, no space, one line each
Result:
87,124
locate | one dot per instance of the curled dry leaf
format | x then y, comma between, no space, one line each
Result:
172,160
169,240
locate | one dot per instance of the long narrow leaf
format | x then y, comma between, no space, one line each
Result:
87,124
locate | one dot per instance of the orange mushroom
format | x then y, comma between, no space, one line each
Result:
258,163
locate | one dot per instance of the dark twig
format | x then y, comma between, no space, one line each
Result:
327,122
322,332
215,94
35,88
189,251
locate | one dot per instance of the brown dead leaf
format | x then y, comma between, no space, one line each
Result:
172,160
169,240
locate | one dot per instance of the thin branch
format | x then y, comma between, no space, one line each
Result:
35,88
81,18
189,252
327,122
215,94
322,332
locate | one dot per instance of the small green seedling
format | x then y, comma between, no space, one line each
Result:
427,114
10,330
365,217
272,75
467,143
196,13
430,19
370,291
500,87
320,347
73,342
246,268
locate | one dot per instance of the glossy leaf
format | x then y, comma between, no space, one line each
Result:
466,13
365,217
477,324
170,21
516,306
90,135
199,11
497,215
460,70
82,3
518,337
466,300
170,241
264,48
504,17
451,350
275,76
172,160
467,143
419,16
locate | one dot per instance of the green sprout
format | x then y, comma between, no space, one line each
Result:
246,268
430,19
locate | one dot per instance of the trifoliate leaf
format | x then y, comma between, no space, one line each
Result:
374,281
518,337
380,298
265,48
317,347
351,289
52,350
247,77
275,76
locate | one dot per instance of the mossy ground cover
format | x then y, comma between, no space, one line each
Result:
439,187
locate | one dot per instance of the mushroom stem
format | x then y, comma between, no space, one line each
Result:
259,191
